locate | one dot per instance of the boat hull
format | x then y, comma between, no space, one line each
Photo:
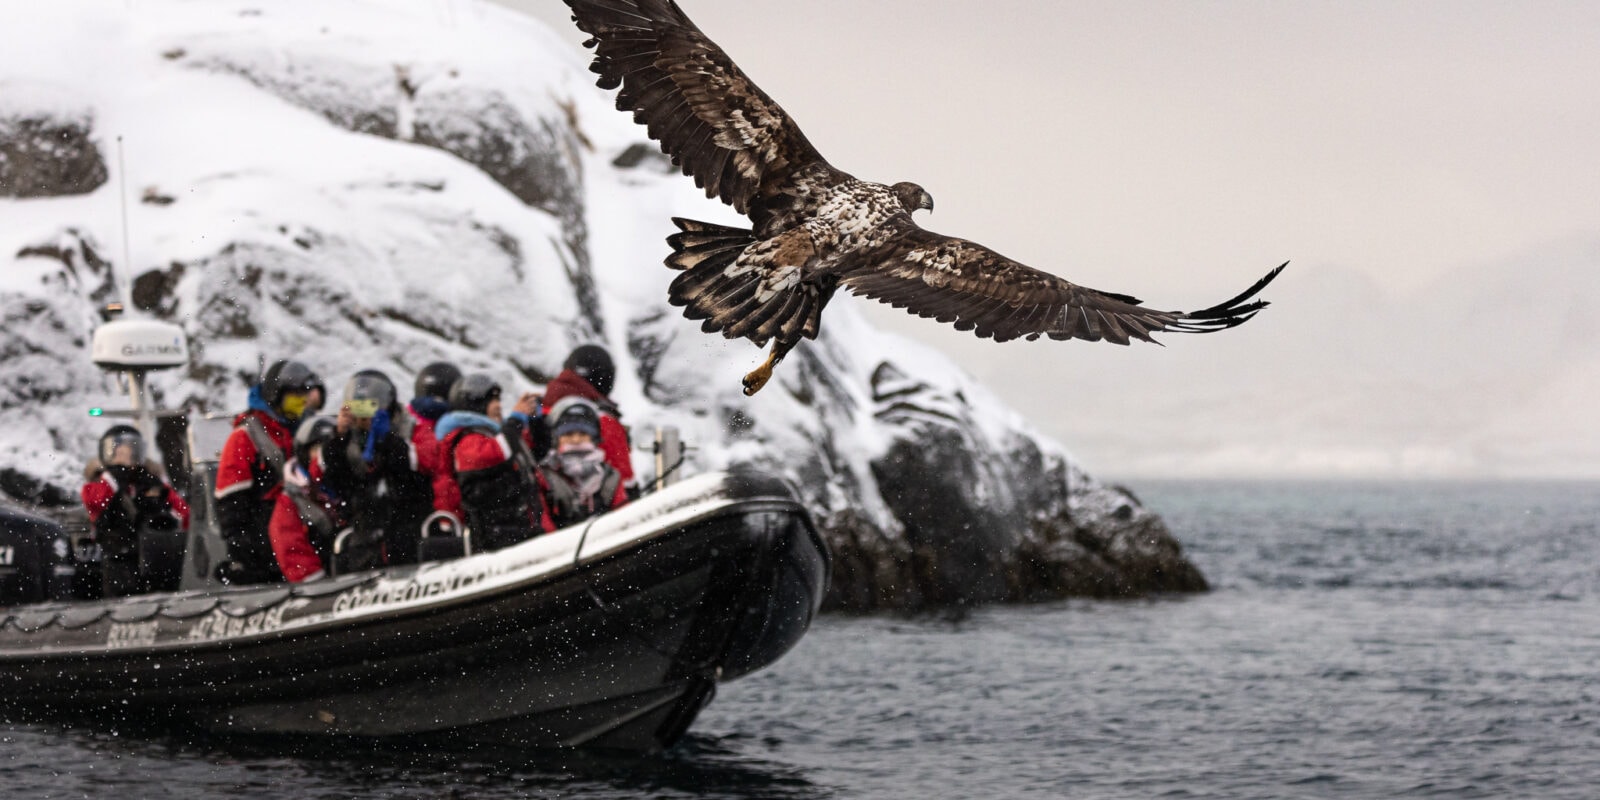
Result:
612,635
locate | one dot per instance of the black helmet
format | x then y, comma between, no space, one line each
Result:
593,364
574,414
121,436
284,377
314,431
474,393
370,391
436,379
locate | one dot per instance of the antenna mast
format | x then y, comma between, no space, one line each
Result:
127,257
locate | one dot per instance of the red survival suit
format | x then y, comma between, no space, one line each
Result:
98,494
496,497
302,529
431,462
248,485
613,435
121,501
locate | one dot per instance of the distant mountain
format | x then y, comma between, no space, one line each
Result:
1491,371
360,184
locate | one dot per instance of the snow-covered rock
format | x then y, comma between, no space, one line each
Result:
384,184
47,151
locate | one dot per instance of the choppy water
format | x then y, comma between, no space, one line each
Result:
1362,641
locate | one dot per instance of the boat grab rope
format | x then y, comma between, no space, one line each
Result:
660,480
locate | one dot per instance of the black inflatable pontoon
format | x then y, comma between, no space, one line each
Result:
612,634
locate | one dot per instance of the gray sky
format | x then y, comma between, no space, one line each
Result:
1176,151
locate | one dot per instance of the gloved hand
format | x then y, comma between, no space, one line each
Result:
379,429
130,480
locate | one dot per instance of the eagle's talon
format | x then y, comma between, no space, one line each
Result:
759,376
756,379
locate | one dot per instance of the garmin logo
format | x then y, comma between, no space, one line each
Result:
173,349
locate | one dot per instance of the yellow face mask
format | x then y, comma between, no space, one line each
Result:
294,405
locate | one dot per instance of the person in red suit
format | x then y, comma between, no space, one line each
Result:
372,465
307,516
589,373
488,456
576,481
430,402
250,470
125,493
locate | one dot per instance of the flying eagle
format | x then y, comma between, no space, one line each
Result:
816,228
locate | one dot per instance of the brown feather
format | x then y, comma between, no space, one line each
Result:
640,42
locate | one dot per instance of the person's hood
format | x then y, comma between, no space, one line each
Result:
571,384
257,405
456,420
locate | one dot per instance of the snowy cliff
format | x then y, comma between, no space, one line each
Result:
384,184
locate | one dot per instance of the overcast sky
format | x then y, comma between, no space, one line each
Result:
1177,150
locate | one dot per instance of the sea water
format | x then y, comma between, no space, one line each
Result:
1361,640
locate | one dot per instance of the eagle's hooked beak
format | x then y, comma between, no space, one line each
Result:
912,197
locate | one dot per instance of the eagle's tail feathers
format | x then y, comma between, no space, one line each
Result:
726,300
704,251
711,290
688,291
734,309
752,314
783,320
704,243
812,319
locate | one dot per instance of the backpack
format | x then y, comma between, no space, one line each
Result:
567,507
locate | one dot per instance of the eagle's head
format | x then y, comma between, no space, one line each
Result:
913,197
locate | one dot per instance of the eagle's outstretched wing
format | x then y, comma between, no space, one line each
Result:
717,125
957,281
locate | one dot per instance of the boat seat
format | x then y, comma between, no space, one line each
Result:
161,559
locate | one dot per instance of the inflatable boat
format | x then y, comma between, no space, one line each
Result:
611,634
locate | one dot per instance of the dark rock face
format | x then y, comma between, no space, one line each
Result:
871,569
927,482
986,523
48,156
1129,554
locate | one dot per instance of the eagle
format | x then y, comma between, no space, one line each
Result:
815,228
